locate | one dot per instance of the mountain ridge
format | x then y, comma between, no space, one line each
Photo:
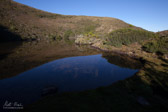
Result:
31,23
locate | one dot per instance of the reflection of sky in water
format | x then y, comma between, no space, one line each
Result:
68,74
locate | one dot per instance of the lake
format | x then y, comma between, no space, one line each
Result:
82,68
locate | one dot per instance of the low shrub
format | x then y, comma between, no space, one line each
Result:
55,37
127,36
67,34
91,34
158,45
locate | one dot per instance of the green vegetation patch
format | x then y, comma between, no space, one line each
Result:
127,36
159,45
91,34
67,34
55,37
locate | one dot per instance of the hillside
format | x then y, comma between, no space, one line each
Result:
163,33
117,41
29,23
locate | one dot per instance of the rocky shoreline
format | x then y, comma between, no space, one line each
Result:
134,51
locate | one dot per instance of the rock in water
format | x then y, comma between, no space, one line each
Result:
141,100
49,90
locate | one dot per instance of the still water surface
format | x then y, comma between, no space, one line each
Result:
64,75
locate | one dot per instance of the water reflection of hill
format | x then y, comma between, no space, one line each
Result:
32,54
28,55
122,61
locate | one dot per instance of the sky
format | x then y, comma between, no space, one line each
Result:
151,15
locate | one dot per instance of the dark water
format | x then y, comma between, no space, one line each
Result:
68,74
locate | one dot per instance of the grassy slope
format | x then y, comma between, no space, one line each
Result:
32,23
